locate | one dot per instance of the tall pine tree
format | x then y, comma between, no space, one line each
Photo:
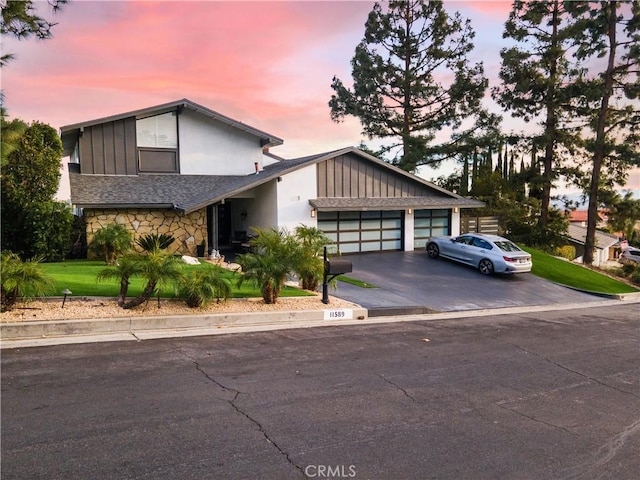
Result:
610,97
537,75
398,90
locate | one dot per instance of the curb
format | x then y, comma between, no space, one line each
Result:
612,296
49,329
58,332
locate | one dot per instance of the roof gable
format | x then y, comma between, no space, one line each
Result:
69,133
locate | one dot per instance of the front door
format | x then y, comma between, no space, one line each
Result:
224,225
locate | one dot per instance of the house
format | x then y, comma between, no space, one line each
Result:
580,217
606,245
183,169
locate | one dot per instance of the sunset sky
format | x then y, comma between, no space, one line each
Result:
268,64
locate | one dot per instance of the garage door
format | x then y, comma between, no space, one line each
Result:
370,231
430,223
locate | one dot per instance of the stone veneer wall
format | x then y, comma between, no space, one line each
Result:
188,230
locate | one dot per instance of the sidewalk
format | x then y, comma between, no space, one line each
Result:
61,332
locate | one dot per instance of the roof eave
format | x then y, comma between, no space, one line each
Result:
155,206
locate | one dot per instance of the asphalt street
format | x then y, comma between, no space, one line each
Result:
547,395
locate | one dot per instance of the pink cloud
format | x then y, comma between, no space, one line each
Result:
486,7
220,50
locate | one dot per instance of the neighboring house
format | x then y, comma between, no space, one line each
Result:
605,249
579,217
205,178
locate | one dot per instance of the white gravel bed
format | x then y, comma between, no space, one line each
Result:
75,308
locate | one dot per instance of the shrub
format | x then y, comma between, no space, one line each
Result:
274,256
21,279
123,270
628,268
566,251
49,230
110,242
154,242
309,261
201,287
157,269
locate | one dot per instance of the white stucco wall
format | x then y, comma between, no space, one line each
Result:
262,211
208,147
294,192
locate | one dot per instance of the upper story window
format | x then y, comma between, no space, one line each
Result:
159,131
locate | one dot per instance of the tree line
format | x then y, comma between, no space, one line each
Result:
571,69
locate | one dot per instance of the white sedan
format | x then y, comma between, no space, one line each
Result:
488,253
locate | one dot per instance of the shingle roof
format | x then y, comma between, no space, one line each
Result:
603,240
187,193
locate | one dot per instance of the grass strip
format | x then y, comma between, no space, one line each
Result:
355,281
573,275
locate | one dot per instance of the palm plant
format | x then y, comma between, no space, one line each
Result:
157,268
110,242
123,270
21,279
309,259
274,256
200,287
154,242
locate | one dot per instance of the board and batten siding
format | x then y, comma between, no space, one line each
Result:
109,148
347,176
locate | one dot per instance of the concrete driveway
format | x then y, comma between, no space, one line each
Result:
410,282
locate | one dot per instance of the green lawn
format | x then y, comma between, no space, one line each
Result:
572,275
355,281
79,276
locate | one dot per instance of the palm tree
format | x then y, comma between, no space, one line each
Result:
274,256
154,242
123,270
21,279
158,268
309,259
111,242
200,287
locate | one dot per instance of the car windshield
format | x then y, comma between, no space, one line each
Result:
507,246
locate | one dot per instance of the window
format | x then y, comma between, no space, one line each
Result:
157,141
480,243
159,131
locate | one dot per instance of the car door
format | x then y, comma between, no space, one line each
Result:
478,250
457,248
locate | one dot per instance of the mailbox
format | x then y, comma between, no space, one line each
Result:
337,266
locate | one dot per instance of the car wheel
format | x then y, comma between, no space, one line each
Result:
485,267
433,251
